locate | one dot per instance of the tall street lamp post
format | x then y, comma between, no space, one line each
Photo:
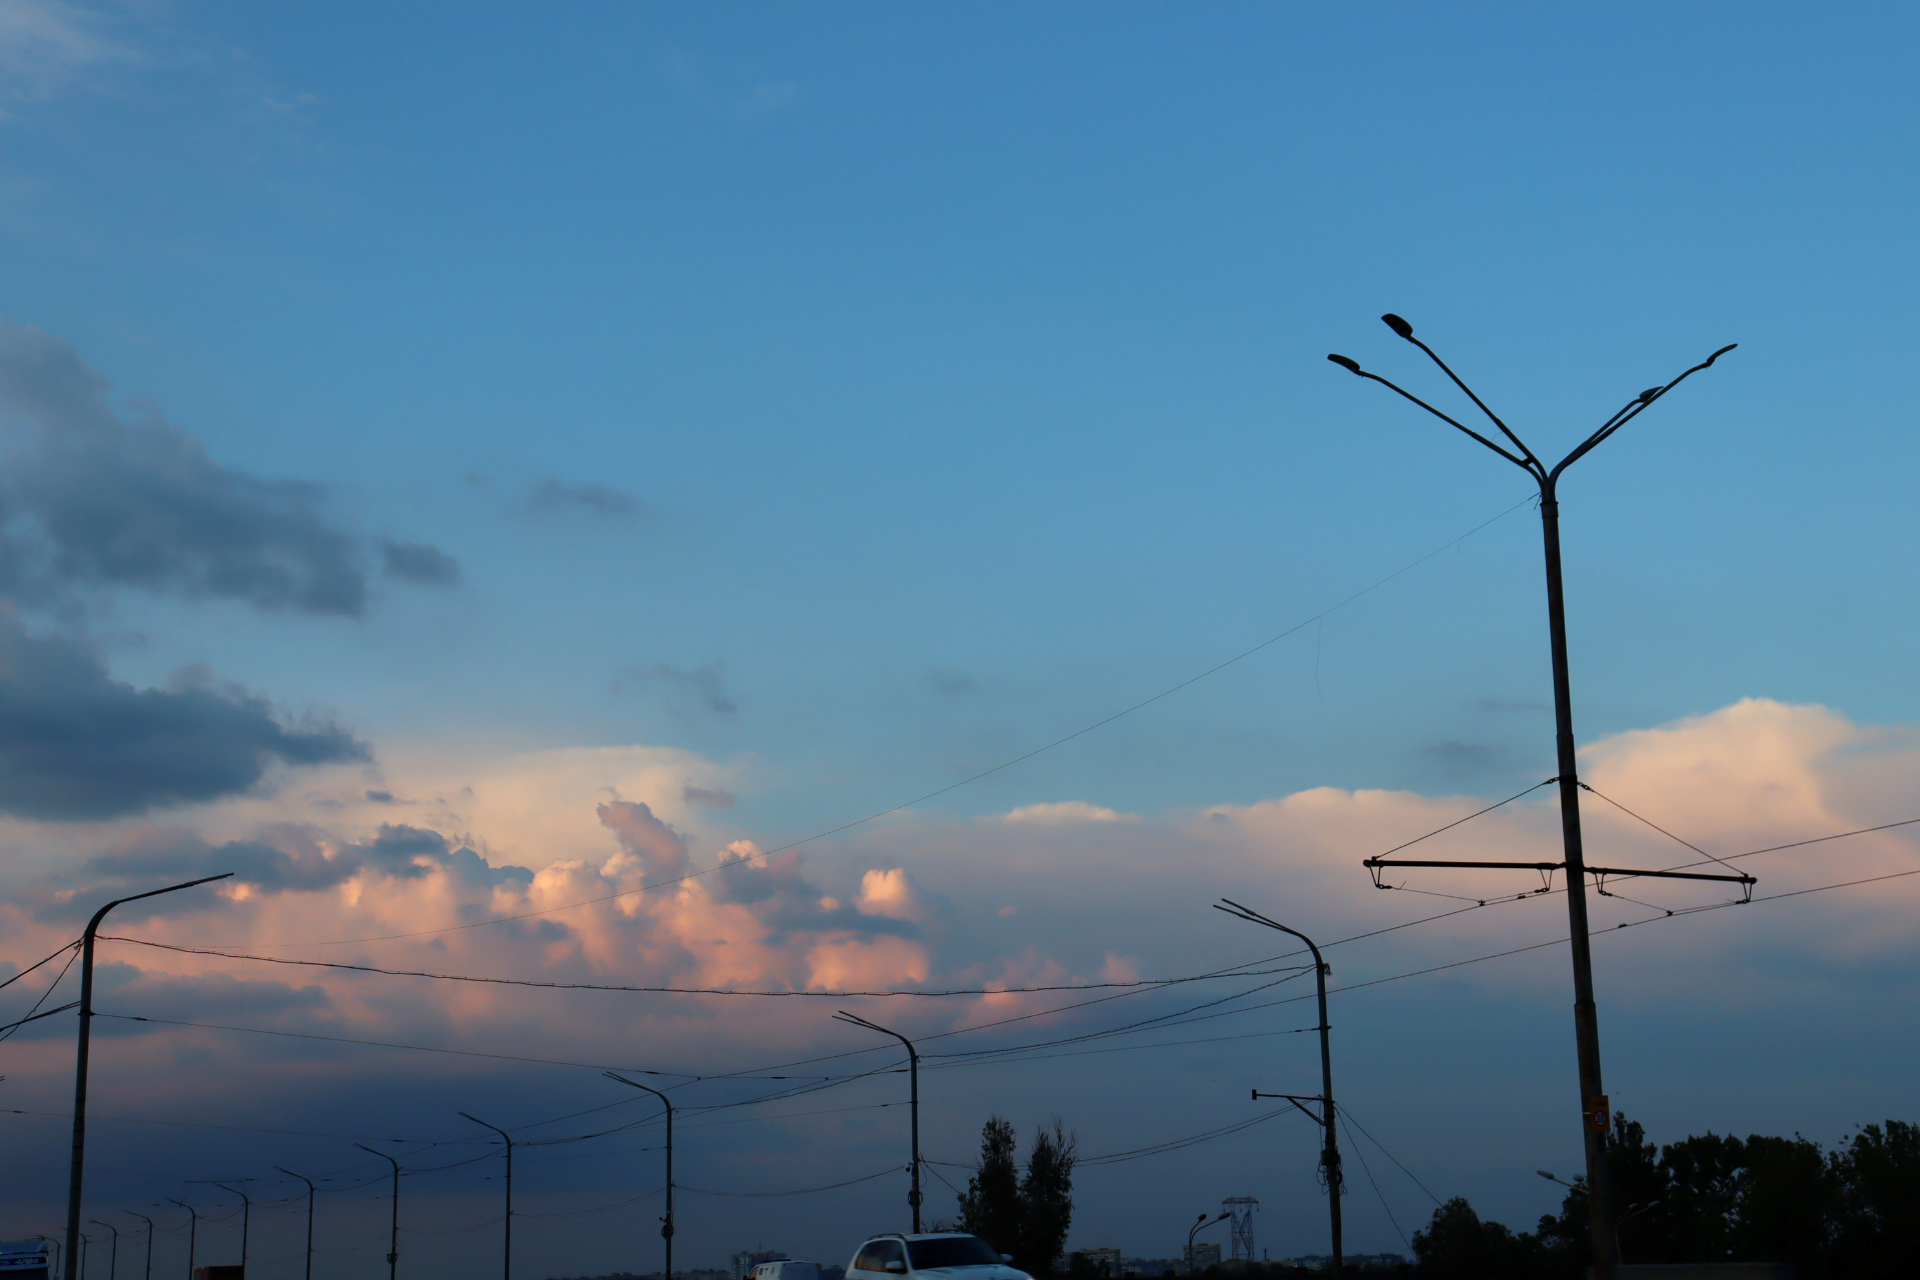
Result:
246,1219
393,1233
76,1171
913,1074
113,1257
666,1222
148,1275
506,1261
1330,1148
309,1181
193,1232
1586,1024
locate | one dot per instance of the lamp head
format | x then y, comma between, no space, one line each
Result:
1350,365
1398,325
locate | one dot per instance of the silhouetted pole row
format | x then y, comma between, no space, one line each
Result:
913,1074
1330,1148
666,1221
506,1260
393,1236
1586,1024
76,1173
309,1181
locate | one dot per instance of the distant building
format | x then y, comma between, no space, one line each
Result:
1202,1256
1105,1262
1150,1267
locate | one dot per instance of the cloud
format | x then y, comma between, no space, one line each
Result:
1065,812
419,562
704,686
90,499
77,744
656,847
44,44
556,495
942,901
712,797
302,859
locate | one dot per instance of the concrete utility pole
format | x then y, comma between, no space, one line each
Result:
1594,1113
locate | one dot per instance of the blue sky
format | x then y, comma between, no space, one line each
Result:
823,404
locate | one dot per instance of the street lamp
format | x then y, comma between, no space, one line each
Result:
1330,1147
77,1167
149,1221
507,1251
193,1232
113,1258
1198,1224
309,1181
913,1071
1586,1024
666,1222
393,1235
246,1219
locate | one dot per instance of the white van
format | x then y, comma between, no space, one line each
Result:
787,1271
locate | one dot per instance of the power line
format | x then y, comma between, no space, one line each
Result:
684,991
36,964
1349,1116
385,1044
954,786
803,1191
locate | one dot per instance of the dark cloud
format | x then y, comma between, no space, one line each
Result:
419,562
701,688
557,495
949,681
713,798
786,901
297,859
91,499
77,744
661,849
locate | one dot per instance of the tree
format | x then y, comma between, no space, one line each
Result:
1046,1199
1458,1239
1026,1217
1876,1225
990,1206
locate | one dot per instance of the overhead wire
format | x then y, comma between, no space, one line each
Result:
966,781
1371,1181
639,990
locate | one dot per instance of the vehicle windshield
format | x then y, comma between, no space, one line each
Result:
952,1251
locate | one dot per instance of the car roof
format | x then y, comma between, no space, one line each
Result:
929,1235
